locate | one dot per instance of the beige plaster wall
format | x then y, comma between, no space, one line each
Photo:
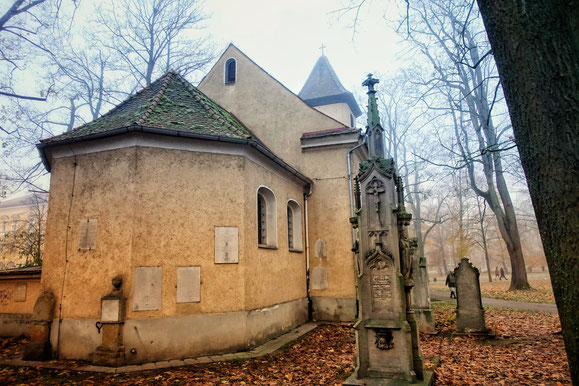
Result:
159,207
269,270
18,296
329,215
339,111
276,115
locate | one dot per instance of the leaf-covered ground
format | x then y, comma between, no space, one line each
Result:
541,291
527,351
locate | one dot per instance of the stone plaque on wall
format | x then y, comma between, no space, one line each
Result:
226,245
320,248
188,284
110,310
20,292
87,233
319,278
147,290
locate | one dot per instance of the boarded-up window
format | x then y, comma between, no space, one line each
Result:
87,234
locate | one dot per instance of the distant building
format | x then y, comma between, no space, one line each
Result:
22,214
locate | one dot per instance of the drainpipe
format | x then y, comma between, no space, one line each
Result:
310,305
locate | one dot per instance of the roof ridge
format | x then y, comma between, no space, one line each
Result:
168,76
205,101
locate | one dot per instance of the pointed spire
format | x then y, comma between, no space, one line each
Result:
374,131
373,115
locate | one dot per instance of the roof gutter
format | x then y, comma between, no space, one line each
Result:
175,133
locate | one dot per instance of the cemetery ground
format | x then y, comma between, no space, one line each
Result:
540,282
528,350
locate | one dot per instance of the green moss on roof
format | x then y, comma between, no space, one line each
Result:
169,103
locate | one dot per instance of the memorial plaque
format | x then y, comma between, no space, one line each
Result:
320,248
319,278
87,233
110,310
20,293
381,285
189,284
226,245
147,289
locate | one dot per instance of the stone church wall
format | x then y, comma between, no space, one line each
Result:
157,209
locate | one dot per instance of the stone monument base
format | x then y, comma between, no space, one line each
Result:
352,380
425,320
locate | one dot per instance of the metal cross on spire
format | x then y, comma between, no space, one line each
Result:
322,48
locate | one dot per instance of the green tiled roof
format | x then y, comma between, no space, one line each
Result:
169,103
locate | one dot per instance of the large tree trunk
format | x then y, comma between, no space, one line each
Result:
536,46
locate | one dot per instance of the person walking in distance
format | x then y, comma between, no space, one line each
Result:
497,272
451,283
503,274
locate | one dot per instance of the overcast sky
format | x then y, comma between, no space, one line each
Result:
284,37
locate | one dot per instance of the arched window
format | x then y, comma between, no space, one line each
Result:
230,71
266,218
15,221
294,226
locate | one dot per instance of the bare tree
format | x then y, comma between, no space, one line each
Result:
450,36
483,243
151,37
21,34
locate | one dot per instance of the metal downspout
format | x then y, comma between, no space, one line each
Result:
307,230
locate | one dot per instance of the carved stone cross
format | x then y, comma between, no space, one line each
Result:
375,187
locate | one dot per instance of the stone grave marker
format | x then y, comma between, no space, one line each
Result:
470,314
387,340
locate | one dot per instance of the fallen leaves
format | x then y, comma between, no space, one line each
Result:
527,350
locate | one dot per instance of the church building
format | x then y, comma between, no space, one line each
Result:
192,221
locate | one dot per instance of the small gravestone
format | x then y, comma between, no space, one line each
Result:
470,315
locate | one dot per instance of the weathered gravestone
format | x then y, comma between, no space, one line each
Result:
470,315
420,294
386,332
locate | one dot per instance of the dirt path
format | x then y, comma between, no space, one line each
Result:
545,307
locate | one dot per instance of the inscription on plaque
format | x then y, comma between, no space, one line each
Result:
381,270
319,278
87,234
381,286
226,245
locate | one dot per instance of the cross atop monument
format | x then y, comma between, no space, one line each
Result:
370,82
322,48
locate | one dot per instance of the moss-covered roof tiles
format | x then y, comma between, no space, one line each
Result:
169,103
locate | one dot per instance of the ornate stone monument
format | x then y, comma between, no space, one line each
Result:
111,352
470,314
386,332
